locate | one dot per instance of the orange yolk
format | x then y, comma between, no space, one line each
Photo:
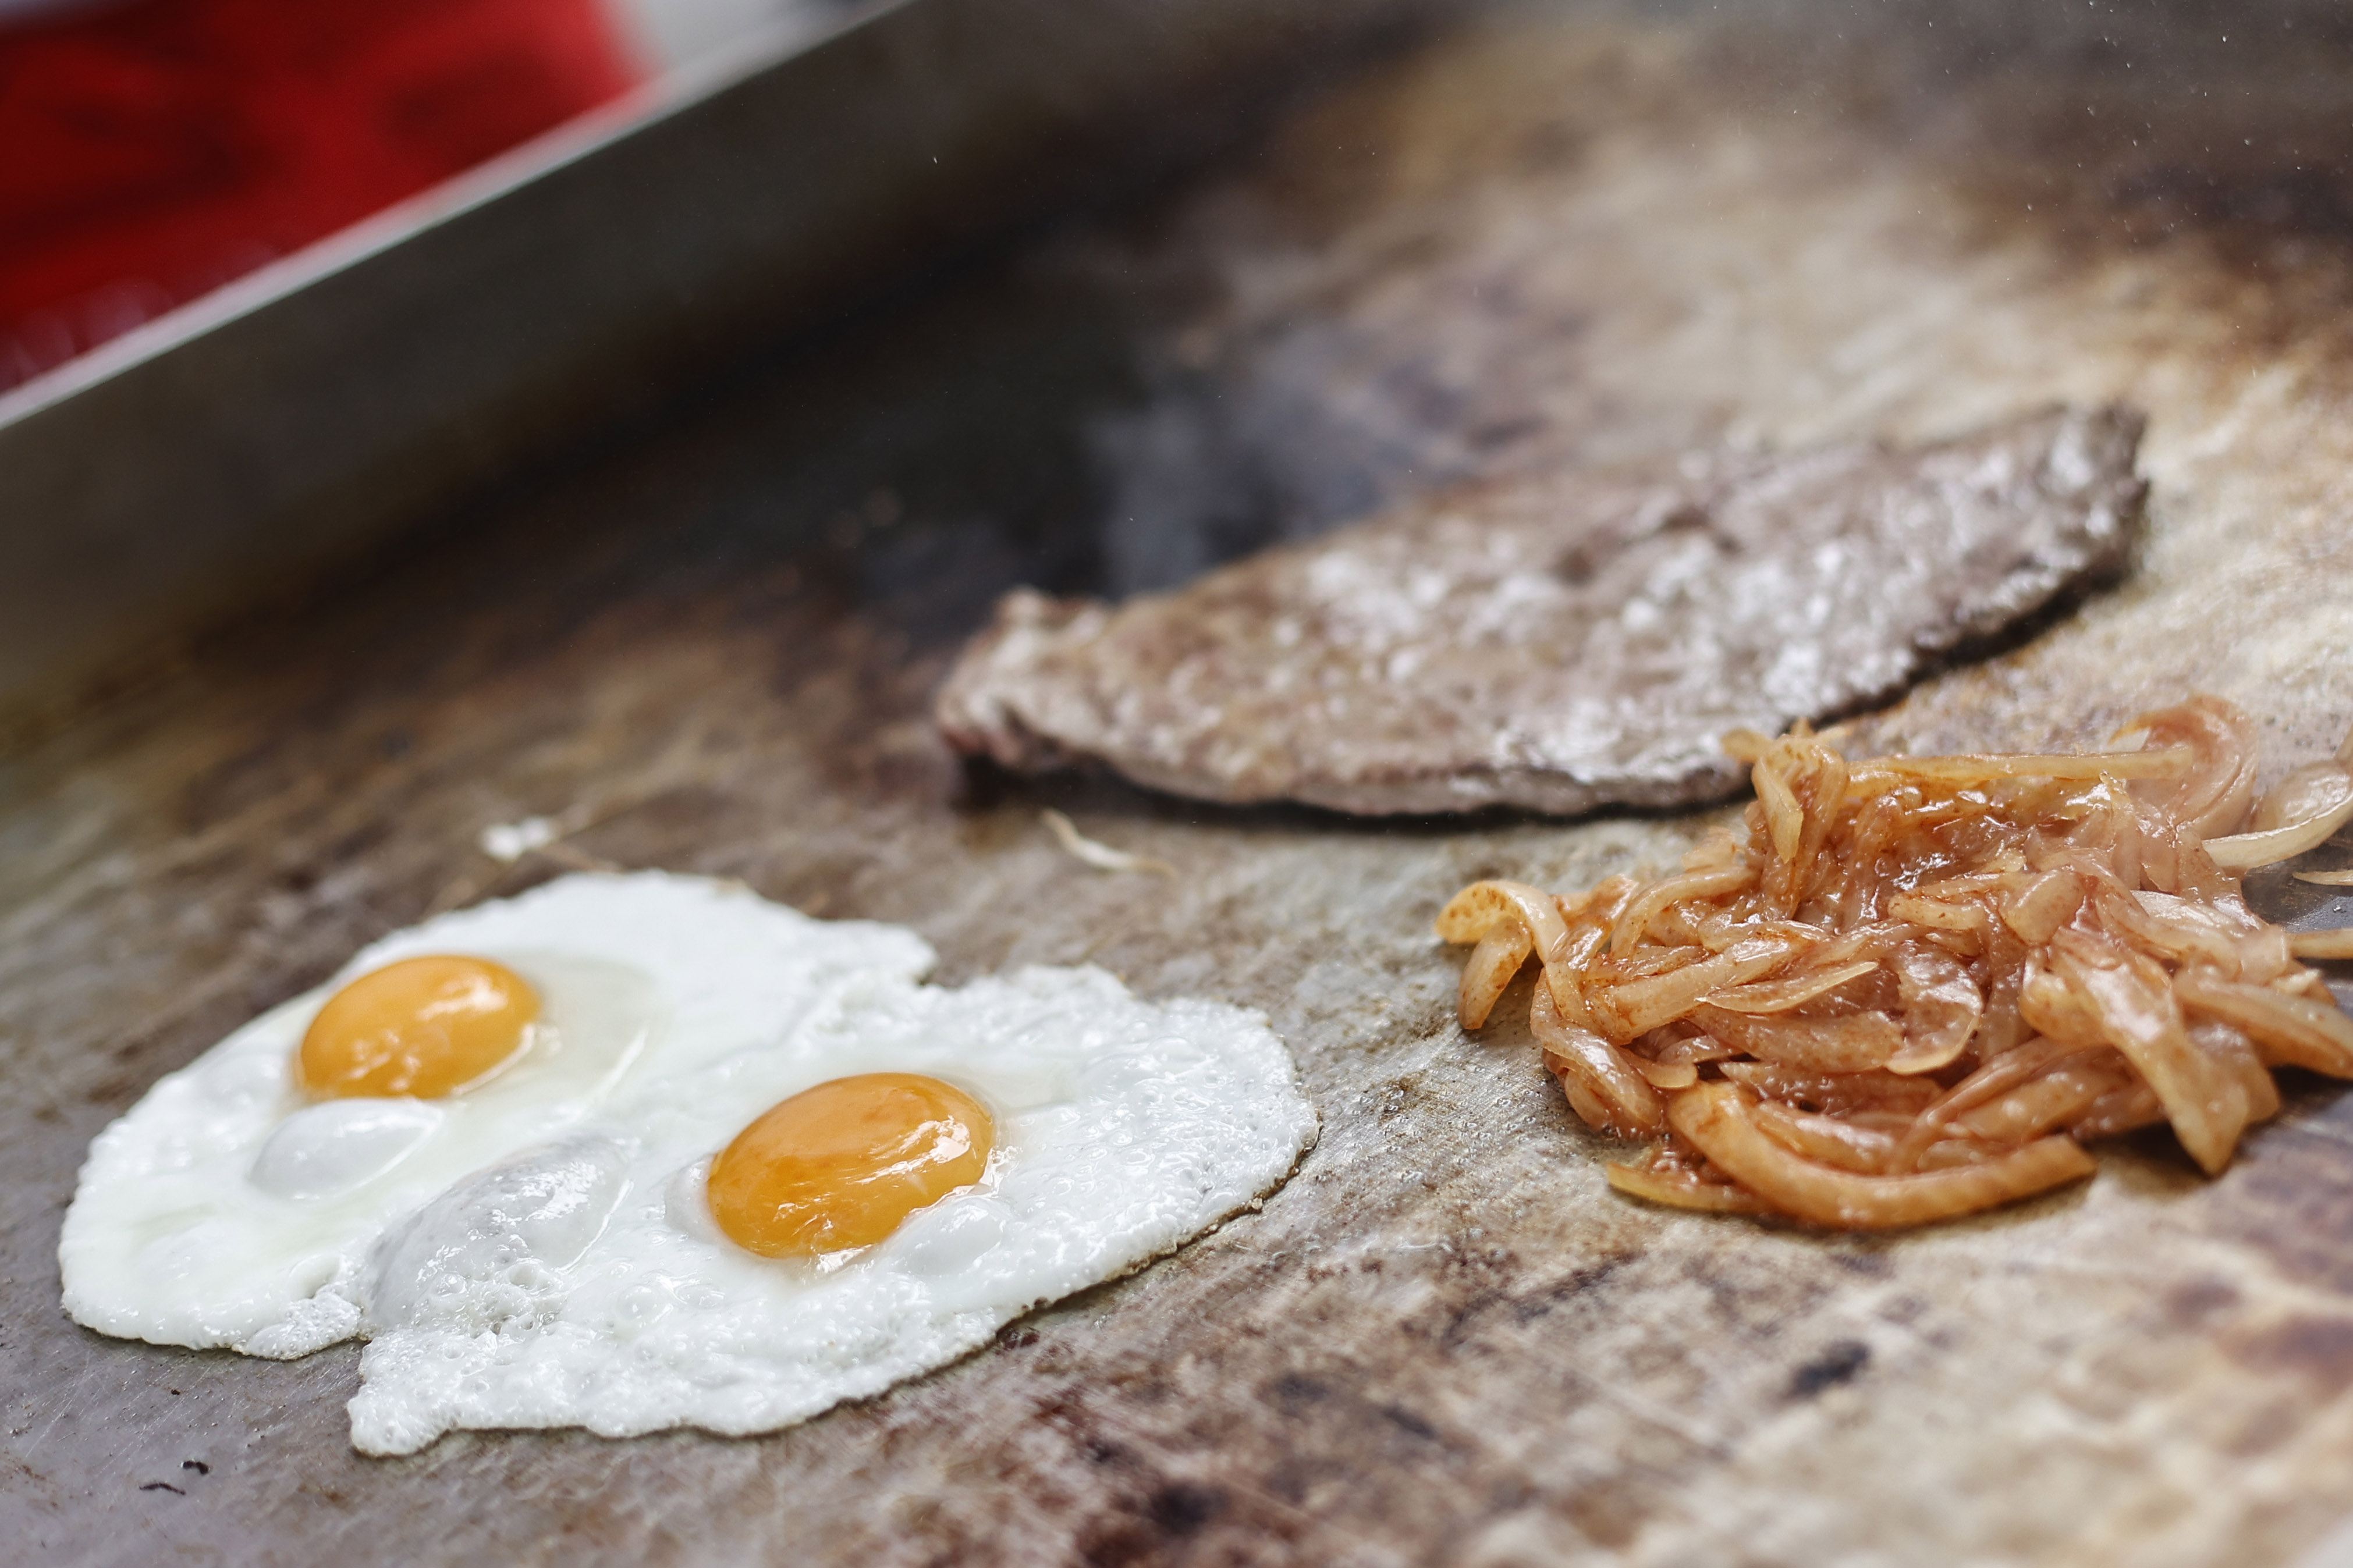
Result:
424,1026
841,1164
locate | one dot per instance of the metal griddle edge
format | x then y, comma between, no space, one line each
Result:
229,450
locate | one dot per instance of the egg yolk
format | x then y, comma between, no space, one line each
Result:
424,1026
841,1164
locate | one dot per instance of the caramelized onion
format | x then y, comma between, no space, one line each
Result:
1937,914
2235,1050
2311,791
2338,943
1629,1108
2245,851
2288,1030
1853,1042
1838,1094
1497,957
1681,1189
1941,1009
2057,1096
1471,913
1665,1075
1916,983
2140,1016
2215,794
2039,906
1478,909
1710,883
1780,995
1713,1116
1827,1139
1785,818
2170,927
2120,1111
1969,772
2302,812
1641,1005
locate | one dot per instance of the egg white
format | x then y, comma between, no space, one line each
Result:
556,1265
226,1210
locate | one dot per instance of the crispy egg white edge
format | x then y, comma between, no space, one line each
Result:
1126,1129
197,1129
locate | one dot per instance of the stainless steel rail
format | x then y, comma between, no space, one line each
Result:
233,447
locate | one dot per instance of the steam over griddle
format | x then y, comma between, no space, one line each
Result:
1563,641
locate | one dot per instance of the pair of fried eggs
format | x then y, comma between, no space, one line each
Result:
630,1153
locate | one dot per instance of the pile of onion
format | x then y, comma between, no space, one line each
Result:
1918,986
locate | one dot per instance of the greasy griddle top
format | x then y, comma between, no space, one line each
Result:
1445,1340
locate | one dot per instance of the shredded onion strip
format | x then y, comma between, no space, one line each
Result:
2335,943
2245,851
1678,1187
1715,1118
1963,771
1916,986
1780,995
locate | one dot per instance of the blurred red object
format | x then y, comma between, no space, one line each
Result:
151,152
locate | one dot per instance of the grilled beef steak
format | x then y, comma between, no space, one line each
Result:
1560,642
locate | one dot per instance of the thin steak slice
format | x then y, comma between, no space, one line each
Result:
1560,642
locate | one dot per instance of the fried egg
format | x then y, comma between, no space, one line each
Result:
630,1153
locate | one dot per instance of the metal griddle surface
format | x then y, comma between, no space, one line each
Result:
1445,1340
